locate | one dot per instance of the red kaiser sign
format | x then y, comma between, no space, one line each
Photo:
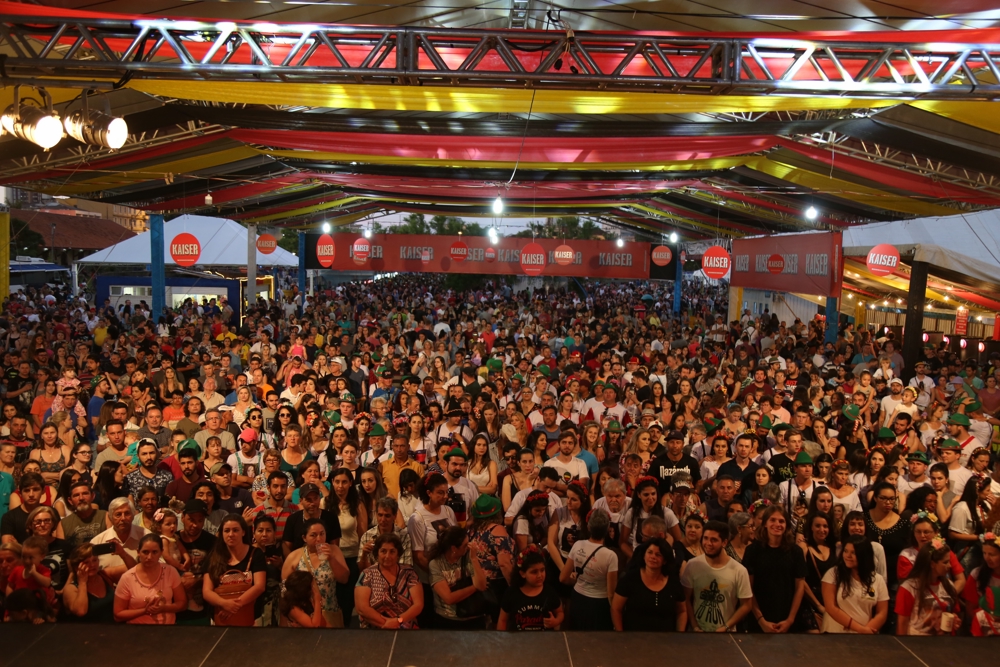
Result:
326,251
361,249
715,262
662,255
883,259
563,255
807,263
459,251
533,259
185,249
490,255
266,244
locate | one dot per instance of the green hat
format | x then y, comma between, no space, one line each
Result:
518,376
190,443
332,417
486,506
918,456
376,431
949,444
959,419
494,364
975,406
803,459
97,379
712,425
348,397
765,422
778,428
376,356
852,412
886,433
615,427
544,370
455,452
596,384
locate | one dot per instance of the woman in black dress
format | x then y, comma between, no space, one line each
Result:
819,547
884,525
649,598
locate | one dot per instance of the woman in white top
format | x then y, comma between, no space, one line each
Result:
592,569
710,464
482,470
855,596
353,518
567,524
844,493
933,426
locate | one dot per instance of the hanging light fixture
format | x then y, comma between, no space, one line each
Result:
31,123
811,213
208,199
96,128
368,233
498,205
673,237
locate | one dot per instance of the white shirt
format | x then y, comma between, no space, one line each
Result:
575,469
131,545
517,502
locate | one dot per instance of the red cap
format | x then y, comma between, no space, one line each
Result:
634,360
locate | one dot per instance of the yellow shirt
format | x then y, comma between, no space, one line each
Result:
100,334
391,471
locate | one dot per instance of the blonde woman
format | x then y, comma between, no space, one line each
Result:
640,444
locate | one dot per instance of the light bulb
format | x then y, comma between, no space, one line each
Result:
96,128
34,125
811,213
673,237
368,233
326,228
492,231
208,199
620,243
498,205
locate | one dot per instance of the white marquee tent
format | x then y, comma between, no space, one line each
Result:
967,244
223,243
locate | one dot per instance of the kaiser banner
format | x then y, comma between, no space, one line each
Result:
475,254
809,263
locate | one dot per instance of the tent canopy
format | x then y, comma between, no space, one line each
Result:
967,245
223,243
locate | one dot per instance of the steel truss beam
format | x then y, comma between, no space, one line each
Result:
87,49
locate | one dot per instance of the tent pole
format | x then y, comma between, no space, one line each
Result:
914,325
4,251
832,319
156,265
75,277
678,282
251,267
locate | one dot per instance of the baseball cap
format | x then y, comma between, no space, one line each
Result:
195,506
615,427
98,379
675,435
219,467
896,380
248,435
306,489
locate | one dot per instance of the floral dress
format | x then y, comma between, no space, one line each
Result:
323,575
490,547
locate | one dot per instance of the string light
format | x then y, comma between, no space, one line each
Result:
326,228
673,237
811,213
498,205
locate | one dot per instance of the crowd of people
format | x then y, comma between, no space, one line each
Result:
401,455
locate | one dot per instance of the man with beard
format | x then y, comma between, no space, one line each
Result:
85,521
148,473
716,587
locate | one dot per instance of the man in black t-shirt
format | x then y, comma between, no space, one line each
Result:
294,535
783,465
673,461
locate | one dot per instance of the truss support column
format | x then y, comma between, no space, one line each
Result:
4,251
832,319
678,285
251,266
157,269
302,273
913,328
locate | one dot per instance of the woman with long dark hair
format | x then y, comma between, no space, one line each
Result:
345,501
981,579
649,598
109,484
430,518
645,503
968,519
923,529
777,573
855,596
456,576
568,524
885,526
926,599
236,576
819,546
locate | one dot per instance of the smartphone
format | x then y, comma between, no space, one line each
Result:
104,549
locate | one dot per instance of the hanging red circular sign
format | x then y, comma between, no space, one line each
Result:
775,263
266,244
459,251
715,262
533,259
662,255
326,251
883,259
425,256
563,255
490,255
185,249
361,250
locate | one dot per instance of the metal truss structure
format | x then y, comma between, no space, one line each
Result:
91,51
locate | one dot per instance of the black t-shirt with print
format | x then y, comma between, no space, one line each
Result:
528,613
663,469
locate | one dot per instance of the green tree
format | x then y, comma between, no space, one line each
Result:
25,241
414,223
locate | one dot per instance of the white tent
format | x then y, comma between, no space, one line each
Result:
223,243
968,244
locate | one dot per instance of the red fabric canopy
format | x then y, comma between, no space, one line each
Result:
564,150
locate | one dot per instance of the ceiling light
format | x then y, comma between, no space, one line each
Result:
498,205
30,123
96,128
946,298
492,231
811,213
620,243
850,296
673,237
208,199
326,228
899,301
368,233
